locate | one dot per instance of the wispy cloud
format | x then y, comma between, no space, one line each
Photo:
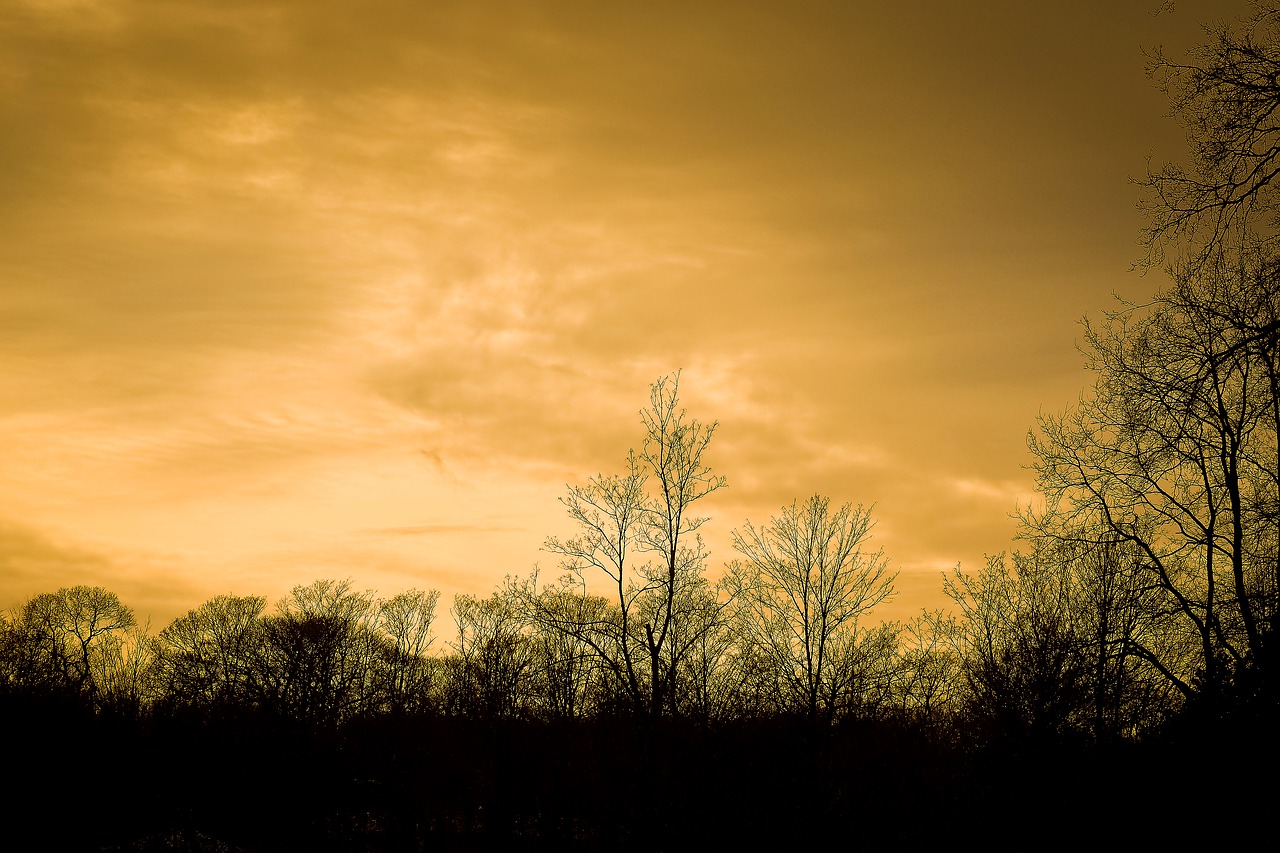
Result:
443,529
290,287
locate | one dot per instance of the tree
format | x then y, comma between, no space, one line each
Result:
804,582
66,636
405,619
206,657
930,669
318,662
1019,643
1049,641
1174,454
1115,611
1227,98
702,647
618,520
490,676
561,617
124,683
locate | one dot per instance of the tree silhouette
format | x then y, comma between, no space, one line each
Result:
568,635
1225,97
406,620
207,657
929,688
1019,642
319,656
491,676
644,636
1174,454
66,639
805,580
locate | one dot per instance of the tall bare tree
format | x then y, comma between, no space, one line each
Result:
1174,453
645,545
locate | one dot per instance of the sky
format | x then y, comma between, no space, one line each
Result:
313,289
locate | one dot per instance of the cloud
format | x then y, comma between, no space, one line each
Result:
261,257
33,561
442,529
28,558
1009,494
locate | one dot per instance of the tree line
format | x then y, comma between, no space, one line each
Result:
1146,586
1138,614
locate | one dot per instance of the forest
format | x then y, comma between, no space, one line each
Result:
1111,678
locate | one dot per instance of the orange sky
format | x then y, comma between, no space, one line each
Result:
311,289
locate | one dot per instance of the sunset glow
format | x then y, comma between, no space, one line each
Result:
292,290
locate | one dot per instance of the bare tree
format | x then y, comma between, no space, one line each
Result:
565,624
1019,643
206,657
124,670
318,659
66,635
406,619
492,674
930,685
1174,454
618,521
703,647
607,513
1055,642
804,582
1226,96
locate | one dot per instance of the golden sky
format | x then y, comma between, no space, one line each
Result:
311,289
